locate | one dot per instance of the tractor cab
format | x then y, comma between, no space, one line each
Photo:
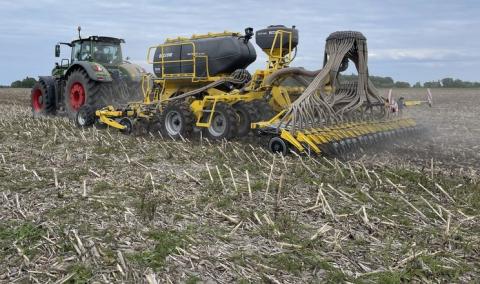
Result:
104,50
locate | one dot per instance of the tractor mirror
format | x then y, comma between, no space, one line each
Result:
57,50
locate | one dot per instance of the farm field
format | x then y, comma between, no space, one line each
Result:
98,206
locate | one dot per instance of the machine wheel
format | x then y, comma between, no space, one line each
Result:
224,123
263,110
42,101
278,145
246,115
127,122
176,120
85,116
80,90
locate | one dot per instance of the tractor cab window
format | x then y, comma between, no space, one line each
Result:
107,53
81,51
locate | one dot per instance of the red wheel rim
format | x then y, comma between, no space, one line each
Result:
77,96
37,100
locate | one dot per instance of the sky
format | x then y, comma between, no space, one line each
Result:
409,40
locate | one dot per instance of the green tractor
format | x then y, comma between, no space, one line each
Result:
96,75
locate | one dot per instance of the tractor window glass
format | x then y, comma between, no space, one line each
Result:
81,51
107,53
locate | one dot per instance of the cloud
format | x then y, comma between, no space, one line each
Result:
437,32
419,54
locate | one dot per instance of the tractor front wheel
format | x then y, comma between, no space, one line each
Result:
80,90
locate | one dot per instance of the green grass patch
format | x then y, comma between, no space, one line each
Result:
82,273
25,235
165,243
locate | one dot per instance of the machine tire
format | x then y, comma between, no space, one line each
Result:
42,101
129,125
224,123
278,145
263,110
176,120
85,116
246,114
80,90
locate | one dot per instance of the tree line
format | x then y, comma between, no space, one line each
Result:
388,82
25,83
378,81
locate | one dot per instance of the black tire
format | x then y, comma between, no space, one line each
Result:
85,116
80,90
128,123
278,145
42,100
246,114
224,123
263,110
176,120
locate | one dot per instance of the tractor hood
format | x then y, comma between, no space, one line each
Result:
133,71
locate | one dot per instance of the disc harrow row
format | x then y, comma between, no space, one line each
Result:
340,138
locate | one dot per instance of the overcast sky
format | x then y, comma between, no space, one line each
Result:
409,40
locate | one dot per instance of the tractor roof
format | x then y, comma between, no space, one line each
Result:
101,39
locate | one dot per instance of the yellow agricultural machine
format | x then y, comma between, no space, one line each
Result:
200,83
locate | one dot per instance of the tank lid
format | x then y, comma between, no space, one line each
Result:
200,36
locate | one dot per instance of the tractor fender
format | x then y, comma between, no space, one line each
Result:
50,83
135,72
95,71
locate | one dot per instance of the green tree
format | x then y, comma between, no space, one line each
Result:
432,84
417,85
382,82
25,83
400,84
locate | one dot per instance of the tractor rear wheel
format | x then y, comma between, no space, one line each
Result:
42,101
176,120
80,90
246,114
224,123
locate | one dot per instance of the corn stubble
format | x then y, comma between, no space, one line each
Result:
96,205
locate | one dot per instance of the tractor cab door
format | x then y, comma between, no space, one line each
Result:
82,51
